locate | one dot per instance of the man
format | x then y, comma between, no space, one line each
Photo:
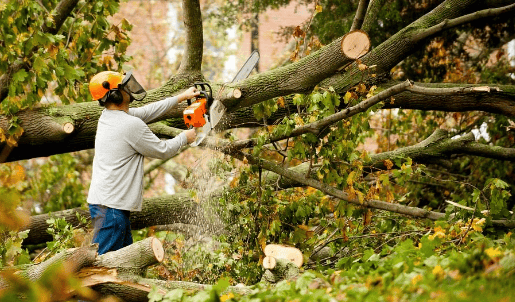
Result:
122,141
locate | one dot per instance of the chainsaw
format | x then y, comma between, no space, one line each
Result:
205,112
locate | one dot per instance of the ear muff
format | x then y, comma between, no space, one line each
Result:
115,96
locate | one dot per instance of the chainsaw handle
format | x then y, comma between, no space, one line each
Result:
201,86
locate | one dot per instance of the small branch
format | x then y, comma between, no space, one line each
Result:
360,15
371,203
315,126
376,204
459,205
154,164
446,24
452,90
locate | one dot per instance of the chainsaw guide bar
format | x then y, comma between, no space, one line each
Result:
205,113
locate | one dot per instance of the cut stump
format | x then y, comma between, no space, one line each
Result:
355,44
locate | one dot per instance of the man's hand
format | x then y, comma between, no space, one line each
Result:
191,135
188,94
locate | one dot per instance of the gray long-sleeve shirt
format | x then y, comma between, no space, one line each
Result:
121,143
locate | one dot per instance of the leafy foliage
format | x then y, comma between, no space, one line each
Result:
57,184
367,254
55,62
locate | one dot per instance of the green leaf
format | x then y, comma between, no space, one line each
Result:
20,75
39,64
221,285
72,73
174,295
154,295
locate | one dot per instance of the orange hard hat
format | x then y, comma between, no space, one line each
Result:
104,81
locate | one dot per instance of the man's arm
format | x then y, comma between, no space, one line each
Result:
149,145
154,111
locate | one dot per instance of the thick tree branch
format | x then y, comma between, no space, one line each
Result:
457,98
399,46
372,12
177,208
192,57
360,15
300,76
472,92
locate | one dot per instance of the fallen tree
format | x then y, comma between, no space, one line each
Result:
331,90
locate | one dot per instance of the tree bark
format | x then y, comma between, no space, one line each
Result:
192,56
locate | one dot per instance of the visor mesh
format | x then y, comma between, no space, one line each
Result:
132,87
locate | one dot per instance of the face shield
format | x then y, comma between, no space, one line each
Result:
130,85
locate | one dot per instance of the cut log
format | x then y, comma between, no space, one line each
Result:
355,44
133,259
269,262
75,259
290,253
283,270
68,128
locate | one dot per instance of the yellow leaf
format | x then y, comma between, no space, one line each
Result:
262,242
362,66
226,297
493,252
318,8
389,196
303,227
298,120
347,97
371,91
361,197
351,192
2,136
438,272
361,88
350,178
18,132
416,279
280,101
11,141
388,163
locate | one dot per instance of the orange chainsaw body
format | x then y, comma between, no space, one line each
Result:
194,113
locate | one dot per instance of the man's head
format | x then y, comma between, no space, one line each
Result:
110,86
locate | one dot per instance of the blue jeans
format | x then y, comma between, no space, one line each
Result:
112,228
